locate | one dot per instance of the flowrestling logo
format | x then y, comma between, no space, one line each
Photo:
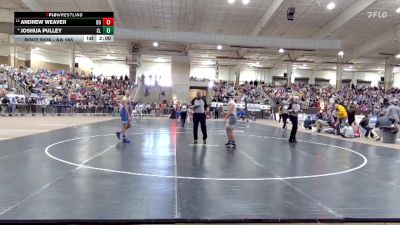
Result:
377,15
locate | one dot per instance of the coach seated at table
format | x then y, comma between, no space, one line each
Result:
308,123
241,114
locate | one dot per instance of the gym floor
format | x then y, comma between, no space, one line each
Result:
83,173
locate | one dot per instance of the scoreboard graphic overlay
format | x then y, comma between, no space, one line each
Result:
64,26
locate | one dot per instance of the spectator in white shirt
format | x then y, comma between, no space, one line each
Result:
347,131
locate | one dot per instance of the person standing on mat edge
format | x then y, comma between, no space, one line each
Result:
183,111
294,109
285,114
341,116
230,125
125,119
199,106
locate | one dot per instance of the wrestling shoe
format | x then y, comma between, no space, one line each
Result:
118,135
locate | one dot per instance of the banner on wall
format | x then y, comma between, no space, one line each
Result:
250,107
216,104
253,107
240,105
302,116
265,107
15,96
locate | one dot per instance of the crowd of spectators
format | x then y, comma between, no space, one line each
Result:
3,84
365,99
63,90
250,92
334,110
97,94
341,121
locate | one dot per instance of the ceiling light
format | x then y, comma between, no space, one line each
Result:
257,64
48,43
208,62
155,44
305,65
398,10
281,50
331,6
108,56
341,53
245,2
398,56
350,67
160,60
231,1
219,47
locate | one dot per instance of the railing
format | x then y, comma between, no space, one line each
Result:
154,95
32,109
156,112
211,94
68,110
12,83
136,94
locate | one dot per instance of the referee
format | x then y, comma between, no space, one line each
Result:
294,109
199,106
